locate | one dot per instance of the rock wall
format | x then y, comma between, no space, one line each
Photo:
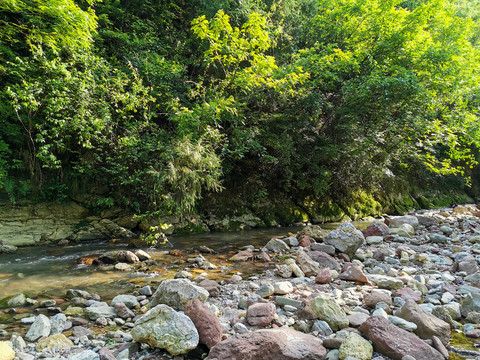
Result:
30,224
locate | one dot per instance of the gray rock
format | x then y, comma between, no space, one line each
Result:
277,245
385,282
439,238
146,290
397,222
265,290
100,309
177,293
402,323
346,239
356,319
129,300
19,300
57,324
327,249
85,355
471,303
322,328
39,328
428,325
164,328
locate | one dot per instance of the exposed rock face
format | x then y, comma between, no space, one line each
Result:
167,329
207,324
391,341
177,293
328,310
51,222
346,239
428,325
269,344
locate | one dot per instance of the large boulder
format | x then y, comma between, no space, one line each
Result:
428,325
391,341
346,239
164,328
207,324
269,344
177,293
329,311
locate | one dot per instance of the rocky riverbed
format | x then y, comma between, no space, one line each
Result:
404,288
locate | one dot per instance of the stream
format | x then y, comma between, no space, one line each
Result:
49,270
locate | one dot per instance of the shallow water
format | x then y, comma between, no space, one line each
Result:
46,271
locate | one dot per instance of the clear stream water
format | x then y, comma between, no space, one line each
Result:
48,270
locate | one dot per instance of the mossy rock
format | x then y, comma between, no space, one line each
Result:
363,205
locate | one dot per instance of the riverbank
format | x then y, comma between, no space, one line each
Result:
408,286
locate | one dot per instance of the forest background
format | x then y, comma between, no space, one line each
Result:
282,108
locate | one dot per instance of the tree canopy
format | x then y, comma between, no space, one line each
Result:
154,105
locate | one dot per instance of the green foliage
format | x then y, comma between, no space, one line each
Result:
155,236
156,105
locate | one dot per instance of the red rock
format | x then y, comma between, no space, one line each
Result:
409,294
242,256
211,286
270,344
324,260
207,324
428,325
391,341
265,257
123,311
324,276
376,229
352,272
305,241
376,296
261,314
